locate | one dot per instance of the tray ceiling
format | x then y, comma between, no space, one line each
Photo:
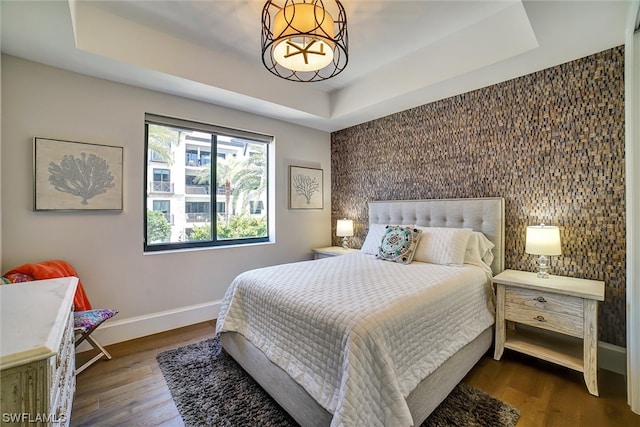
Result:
401,53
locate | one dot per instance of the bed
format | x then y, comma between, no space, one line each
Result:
325,340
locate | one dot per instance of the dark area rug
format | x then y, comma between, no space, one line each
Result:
211,389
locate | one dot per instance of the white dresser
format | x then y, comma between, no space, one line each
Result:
37,353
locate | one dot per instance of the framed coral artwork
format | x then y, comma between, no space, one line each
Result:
76,176
305,188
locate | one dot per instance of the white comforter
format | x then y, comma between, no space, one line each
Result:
356,332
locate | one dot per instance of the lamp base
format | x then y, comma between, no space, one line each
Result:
543,268
345,242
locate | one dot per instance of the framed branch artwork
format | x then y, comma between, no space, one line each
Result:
76,176
305,188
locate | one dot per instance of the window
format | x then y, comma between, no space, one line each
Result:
212,203
256,207
198,211
163,206
160,152
161,181
194,186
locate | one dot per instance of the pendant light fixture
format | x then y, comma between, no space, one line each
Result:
303,41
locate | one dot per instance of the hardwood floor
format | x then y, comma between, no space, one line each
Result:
549,395
129,390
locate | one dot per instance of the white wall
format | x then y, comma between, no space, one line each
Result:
153,292
632,105
0,146
0,164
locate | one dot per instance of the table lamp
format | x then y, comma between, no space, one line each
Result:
344,229
543,240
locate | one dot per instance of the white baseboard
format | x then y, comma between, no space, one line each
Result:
612,358
118,330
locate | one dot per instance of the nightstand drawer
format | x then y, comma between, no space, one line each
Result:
545,310
544,319
319,255
545,301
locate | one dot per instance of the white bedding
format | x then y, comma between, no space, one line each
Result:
356,332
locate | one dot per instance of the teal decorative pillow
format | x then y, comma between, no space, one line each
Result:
399,244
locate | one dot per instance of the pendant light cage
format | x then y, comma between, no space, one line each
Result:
303,41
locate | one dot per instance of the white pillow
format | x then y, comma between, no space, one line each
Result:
441,245
479,250
374,238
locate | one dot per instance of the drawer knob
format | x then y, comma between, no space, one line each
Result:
540,318
540,299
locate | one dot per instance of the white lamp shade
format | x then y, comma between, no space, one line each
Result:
344,228
299,52
543,240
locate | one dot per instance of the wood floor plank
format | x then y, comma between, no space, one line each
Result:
129,390
116,378
549,395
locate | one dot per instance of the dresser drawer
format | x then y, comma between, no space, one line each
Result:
63,386
554,312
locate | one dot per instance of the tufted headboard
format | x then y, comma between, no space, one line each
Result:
481,214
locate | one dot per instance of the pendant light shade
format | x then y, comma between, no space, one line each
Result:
304,41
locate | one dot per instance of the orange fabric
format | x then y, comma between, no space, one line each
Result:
52,270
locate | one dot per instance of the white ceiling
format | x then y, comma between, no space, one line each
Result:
401,53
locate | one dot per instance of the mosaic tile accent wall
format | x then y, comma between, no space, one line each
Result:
551,143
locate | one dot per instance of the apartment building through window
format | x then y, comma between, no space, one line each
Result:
193,201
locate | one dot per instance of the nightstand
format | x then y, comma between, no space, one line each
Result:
561,318
330,251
